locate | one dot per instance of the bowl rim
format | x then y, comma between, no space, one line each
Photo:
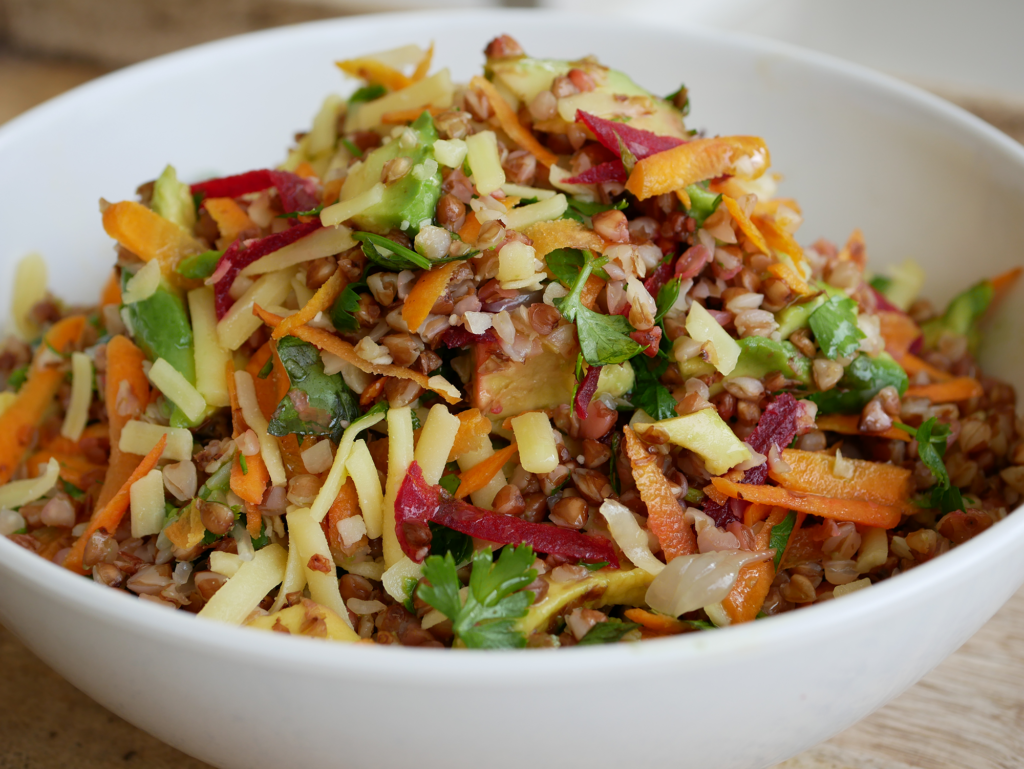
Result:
509,668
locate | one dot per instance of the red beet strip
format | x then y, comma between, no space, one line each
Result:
638,141
585,391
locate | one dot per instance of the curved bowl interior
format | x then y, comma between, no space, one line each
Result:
921,178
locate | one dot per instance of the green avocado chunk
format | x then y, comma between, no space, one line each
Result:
409,201
172,200
615,95
864,377
760,356
961,316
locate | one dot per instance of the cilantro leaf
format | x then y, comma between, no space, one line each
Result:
835,327
604,339
494,600
649,393
608,632
780,535
385,253
316,404
593,566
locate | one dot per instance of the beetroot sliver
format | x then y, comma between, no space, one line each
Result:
638,141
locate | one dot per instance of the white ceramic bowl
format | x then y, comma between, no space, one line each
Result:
922,178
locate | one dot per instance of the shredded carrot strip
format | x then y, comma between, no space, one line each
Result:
849,424
470,229
664,515
953,391
345,505
423,67
373,71
472,427
332,191
755,580
231,219
109,516
800,518
428,289
659,623
306,171
776,237
563,233
321,301
332,344
403,116
694,162
272,388
854,510
899,332
878,482
790,277
19,420
747,227
148,235
914,365
510,124
480,474
755,513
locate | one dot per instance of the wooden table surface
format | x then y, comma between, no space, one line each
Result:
967,714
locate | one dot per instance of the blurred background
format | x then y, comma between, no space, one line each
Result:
966,52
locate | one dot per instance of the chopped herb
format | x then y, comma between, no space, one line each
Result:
614,465
680,99
262,540
267,368
835,327
702,202
71,490
390,255
604,339
345,307
649,393
861,381
367,93
243,463
199,266
445,540
17,378
296,214
416,423
566,264
316,404
608,632
580,208
931,439
450,483
667,296
494,600
353,150
880,283
780,535
593,566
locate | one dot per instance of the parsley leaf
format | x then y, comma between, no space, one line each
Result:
667,296
262,540
444,540
931,448
780,535
450,483
604,339
608,632
835,327
566,264
494,599
316,404
861,381
343,312
649,393
385,253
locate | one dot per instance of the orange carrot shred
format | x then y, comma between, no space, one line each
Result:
755,580
470,229
249,486
109,516
230,218
111,290
849,424
428,289
914,365
373,71
693,162
472,427
790,277
148,235
510,124
899,332
659,623
480,474
423,67
403,116
812,473
321,301
953,391
747,227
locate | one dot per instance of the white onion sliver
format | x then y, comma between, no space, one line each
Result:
630,537
691,582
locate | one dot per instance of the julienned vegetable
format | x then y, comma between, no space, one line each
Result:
520,363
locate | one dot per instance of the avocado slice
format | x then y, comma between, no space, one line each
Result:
615,96
705,433
503,388
962,316
760,356
603,588
172,200
798,314
411,200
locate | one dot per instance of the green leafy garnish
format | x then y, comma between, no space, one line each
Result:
450,483
861,382
244,464
604,339
681,99
262,540
296,214
445,540
780,535
494,600
580,208
667,296
566,264
343,312
267,368
962,316
367,93
702,202
593,566
17,378
71,490
931,448
316,404
390,255
199,266
216,483
608,632
649,393
835,327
